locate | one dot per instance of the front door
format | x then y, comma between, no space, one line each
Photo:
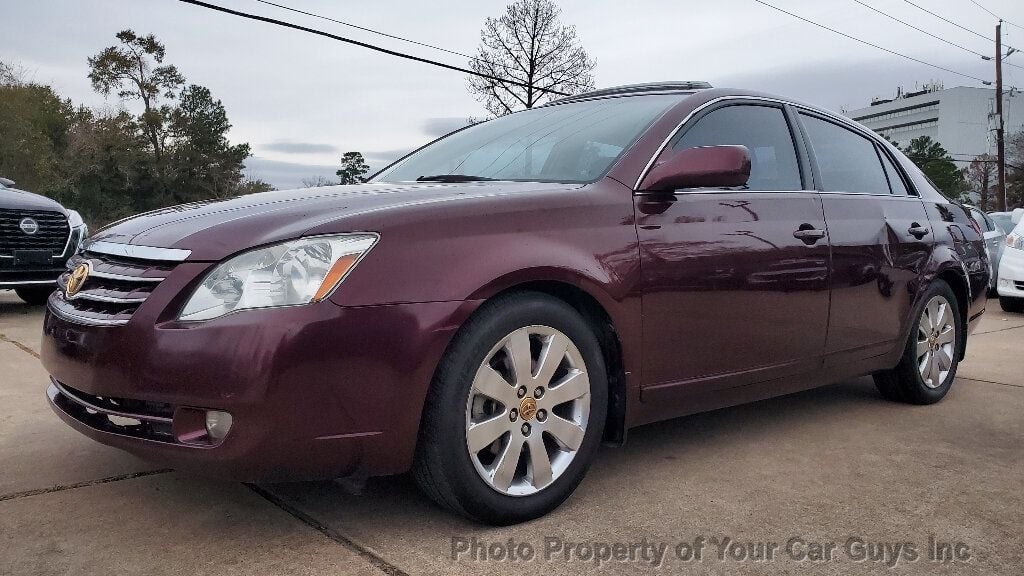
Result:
734,281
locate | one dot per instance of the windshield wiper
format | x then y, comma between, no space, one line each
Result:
453,178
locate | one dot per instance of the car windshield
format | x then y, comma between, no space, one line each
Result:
574,142
1003,220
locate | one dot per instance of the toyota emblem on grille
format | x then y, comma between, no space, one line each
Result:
29,226
78,277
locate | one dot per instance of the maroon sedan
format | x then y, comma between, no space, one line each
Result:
490,308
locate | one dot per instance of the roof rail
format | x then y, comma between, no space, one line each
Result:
670,86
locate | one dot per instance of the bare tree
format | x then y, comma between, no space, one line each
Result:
318,181
12,75
1015,171
979,174
530,46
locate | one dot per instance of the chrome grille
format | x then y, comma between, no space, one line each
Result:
52,235
115,288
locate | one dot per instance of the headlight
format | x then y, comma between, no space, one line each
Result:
76,223
75,219
1015,241
286,274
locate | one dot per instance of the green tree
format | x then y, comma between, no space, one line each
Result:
109,168
938,165
202,163
353,168
34,125
133,71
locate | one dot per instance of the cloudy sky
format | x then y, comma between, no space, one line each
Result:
302,100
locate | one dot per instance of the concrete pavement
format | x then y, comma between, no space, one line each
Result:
835,469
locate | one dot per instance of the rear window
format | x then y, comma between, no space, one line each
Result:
847,161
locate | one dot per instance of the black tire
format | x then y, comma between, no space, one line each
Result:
35,295
904,383
444,468
1011,304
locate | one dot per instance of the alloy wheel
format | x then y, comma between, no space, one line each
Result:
527,411
936,341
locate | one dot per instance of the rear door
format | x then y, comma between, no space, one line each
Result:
880,234
730,295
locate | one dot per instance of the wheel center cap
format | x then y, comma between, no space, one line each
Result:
528,408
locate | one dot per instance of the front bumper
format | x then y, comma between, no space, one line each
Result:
1011,274
316,391
11,278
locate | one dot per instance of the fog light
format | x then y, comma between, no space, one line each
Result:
217,424
1005,282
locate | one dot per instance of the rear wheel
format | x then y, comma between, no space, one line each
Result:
516,411
35,295
928,366
1011,304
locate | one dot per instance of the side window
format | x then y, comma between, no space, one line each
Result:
763,130
899,187
847,161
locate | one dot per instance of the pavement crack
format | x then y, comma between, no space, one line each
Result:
992,382
998,330
374,559
62,487
22,347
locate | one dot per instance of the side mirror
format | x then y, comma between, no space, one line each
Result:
1015,216
702,167
7,182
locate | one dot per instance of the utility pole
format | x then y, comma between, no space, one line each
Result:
1000,150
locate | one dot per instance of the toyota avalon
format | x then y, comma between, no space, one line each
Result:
489,309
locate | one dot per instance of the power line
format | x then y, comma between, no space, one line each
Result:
392,36
918,29
978,34
365,29
363,45
996,15
865,42
983,8
933,35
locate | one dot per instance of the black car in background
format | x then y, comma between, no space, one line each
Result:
37,236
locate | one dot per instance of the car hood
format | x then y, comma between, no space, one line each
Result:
14,199
214,229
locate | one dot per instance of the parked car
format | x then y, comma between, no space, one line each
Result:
37,236
1004,220
1011,270
995,242
490,308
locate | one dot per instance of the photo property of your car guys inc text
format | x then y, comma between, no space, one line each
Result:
515,286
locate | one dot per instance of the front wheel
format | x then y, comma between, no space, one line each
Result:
35,295
930,357
515,412
1011,304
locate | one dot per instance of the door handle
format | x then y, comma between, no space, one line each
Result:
808,234
918,231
